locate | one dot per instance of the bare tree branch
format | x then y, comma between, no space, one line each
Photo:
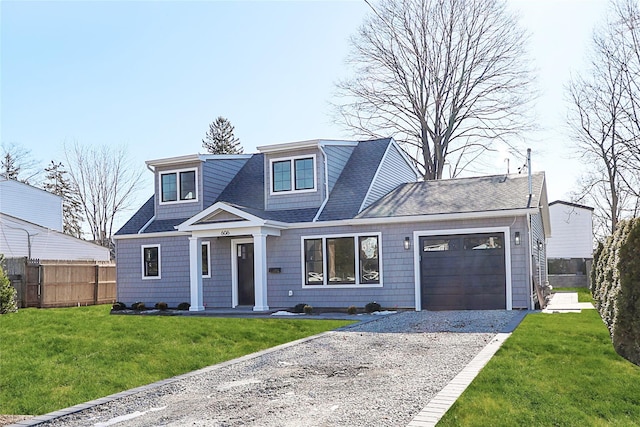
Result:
106,184
438,75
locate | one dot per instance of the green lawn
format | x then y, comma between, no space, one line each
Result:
55,358
554,370
584,294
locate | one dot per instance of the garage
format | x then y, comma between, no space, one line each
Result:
463,272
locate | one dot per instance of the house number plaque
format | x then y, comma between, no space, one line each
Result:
225,233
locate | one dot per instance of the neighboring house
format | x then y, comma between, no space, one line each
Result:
31,226
331,224
570,250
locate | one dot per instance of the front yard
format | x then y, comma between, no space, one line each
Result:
55,358
554,370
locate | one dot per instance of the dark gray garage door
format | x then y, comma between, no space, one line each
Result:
463,272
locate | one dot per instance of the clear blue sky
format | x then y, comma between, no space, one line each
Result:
153,75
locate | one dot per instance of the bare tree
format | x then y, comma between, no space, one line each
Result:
105,183
446,78
603,121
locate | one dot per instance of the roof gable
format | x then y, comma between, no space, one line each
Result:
354,182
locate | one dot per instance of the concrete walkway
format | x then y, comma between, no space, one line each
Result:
566,302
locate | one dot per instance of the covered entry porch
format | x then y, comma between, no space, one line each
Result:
247,253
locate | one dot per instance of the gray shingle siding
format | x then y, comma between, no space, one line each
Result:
337,158
179,209
398,288
172,288
216,175
393,172
294,200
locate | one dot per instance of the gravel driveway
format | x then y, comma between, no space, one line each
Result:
378,373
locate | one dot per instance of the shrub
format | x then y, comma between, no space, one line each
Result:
299,308
616,287
138,306
7,294
117,306
161,306
372,306
308,309
352,309
184,306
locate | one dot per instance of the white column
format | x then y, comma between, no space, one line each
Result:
195,273
260,271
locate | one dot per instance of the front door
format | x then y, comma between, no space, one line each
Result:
246,290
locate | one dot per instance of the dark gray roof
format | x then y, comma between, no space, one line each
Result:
463,195
139,219
351,187
288,215
247,187
160,225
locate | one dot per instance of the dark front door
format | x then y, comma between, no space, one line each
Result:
246,295
463,272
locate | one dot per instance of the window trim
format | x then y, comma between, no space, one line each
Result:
178,184
208,245
292,160
159,276
356,237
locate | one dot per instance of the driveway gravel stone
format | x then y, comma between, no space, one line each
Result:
377,373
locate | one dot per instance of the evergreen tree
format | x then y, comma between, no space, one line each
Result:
10,169
58,184
220,138
8,303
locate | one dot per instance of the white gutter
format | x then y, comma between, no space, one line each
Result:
414,218
326,183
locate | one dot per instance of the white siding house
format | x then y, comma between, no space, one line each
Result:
31,226
30,204
572,228
570,248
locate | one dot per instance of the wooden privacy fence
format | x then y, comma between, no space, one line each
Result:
43,283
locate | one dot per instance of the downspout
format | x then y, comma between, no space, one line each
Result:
326,183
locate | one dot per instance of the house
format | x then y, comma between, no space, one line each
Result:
332,224
31,226
570,250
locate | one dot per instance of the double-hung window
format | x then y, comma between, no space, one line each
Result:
342,260
178,186
151,262
293,174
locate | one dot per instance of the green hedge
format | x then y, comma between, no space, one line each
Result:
616,287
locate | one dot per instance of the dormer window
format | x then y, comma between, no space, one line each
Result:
178,186
293,174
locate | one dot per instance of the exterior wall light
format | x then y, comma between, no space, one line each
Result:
517,238
540,246
407,243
